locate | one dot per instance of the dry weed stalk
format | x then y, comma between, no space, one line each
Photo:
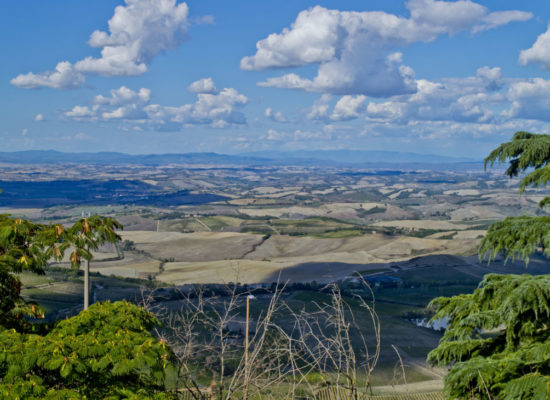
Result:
336,345
206,334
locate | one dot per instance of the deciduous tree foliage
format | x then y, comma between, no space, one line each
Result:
497,343
24,246
105,352
85,236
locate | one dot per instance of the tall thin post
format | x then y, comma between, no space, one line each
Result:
86,284
245,390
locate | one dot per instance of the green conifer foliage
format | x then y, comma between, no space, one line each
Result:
105,352
497,343
520,236
498,338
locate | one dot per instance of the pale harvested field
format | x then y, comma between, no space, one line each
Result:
197,246
20,211
133,265
407,247
278,195
463,192
291,246
221,257
423,224
137,270
471,234
98,255
230,221
249,201
279,212
396,194
440,235
242,202
419,194
266,190
385,190
257,271
475,212
392,213
309,259
339,210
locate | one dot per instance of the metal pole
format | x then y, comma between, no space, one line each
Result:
245,391
86,284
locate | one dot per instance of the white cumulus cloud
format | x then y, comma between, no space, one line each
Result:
529,99
276,116
464,100
138,31
539,53
123,95
219,110
205,85
355,51
320,109
80,112
63,77
276,136
348,107
39,117
498,18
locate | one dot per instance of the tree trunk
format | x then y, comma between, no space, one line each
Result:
86,284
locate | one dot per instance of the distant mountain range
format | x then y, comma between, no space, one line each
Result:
317,157
57,157
358,156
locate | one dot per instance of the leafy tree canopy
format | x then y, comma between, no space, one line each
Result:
88,234
27,246
24,246
105,352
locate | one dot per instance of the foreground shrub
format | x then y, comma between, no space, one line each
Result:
105,352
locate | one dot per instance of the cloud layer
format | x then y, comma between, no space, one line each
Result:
219,109
486,99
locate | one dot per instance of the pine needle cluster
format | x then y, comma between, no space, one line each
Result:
497,343
498,339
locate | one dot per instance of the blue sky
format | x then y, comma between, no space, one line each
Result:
166,76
